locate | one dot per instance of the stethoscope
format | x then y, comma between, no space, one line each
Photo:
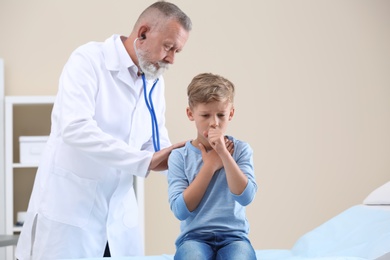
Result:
149,104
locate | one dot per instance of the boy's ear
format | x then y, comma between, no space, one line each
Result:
189,114
231,113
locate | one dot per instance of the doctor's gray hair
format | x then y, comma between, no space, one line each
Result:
168,11
207,87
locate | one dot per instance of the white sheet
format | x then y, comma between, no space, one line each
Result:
358,233
170,257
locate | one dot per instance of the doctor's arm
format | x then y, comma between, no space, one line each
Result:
159,160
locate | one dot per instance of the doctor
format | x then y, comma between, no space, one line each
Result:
108,126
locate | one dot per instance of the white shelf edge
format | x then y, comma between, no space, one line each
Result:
24,165
17,229
29,100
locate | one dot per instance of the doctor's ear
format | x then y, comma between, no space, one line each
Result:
142,32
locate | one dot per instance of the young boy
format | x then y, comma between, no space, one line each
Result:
211,178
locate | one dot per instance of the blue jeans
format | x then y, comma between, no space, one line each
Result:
210,246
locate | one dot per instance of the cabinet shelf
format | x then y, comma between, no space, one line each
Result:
29,100
25,165
24,116
36,110
17,229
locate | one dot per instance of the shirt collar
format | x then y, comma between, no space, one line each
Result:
116,55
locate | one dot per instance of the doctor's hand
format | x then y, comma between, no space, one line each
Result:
160,159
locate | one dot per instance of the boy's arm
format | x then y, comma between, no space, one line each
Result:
236,179
196,190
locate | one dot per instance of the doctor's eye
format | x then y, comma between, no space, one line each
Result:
167,48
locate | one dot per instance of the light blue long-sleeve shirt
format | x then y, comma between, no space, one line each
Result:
219,210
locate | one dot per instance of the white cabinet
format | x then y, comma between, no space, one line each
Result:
24,116
30,116
2,167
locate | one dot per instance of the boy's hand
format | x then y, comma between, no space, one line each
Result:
219,142
210,158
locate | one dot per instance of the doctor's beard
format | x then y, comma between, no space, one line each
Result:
151,71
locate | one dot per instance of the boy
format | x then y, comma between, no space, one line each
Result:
211,178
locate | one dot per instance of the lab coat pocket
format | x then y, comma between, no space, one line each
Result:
69,198
130,218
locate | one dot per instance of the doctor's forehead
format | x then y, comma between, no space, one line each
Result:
174,33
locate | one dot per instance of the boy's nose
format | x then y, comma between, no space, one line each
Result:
214,125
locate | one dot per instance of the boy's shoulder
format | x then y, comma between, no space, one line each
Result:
237,142
182,149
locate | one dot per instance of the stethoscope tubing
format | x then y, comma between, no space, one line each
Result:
149,104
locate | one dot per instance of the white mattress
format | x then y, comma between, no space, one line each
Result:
361,232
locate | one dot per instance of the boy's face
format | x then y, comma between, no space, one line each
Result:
211,115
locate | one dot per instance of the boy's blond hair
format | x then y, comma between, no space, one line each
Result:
208,87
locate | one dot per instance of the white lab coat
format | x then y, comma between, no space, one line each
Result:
100,139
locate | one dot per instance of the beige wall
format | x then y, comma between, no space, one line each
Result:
313,95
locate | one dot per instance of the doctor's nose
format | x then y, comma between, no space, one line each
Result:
170,58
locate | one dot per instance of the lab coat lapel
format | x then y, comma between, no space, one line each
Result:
117,59
124,76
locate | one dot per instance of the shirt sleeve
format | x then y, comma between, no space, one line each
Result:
244,159
79,129
177,183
